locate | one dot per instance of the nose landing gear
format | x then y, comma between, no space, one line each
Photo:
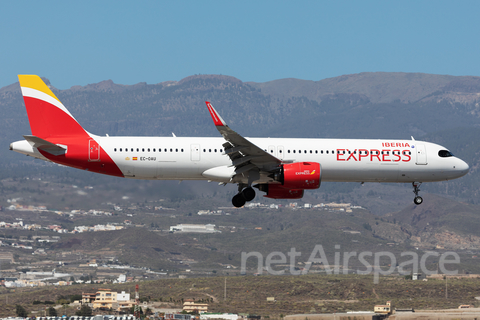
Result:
416,188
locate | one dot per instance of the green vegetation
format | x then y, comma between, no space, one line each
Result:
52,312
21,311
85,311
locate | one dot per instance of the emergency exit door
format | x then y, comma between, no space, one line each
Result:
421,154
93,150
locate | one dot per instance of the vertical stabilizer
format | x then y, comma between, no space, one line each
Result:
48,117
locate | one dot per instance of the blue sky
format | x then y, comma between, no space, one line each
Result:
81,42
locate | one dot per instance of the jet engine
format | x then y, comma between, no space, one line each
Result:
300,175
294,178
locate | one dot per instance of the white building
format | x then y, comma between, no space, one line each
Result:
226,316
198,228
123,296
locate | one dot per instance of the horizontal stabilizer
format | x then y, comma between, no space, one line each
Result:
46,146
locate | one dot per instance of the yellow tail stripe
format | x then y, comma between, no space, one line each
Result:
34,82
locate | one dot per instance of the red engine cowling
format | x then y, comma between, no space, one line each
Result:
276,191
301,175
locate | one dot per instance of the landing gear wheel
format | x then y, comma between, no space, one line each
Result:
248,194
418,200
238,200
416,189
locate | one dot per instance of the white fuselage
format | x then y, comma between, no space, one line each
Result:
283,168
177,158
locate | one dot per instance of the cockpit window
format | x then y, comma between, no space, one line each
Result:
445,153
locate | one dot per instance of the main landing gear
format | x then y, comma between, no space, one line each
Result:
416,188
243,195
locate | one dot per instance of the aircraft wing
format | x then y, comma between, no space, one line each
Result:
244,154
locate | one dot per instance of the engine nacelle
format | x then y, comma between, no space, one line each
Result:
301,175
276,191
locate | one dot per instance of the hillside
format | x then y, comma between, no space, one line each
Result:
380,87
442,223
301,294
439,223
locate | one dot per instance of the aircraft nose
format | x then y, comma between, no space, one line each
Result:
462,167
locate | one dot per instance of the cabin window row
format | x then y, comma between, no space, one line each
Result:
271,151
305,151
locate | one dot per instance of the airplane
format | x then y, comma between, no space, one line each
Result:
282,168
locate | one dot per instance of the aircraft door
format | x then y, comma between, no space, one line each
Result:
280,152
195,152
93,150
421,154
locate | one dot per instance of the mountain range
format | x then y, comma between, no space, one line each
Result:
438,108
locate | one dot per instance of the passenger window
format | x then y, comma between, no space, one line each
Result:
120,149
171,150
176,150
148,149
327,151
115,149
293,151
182,150
143,149
137,149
